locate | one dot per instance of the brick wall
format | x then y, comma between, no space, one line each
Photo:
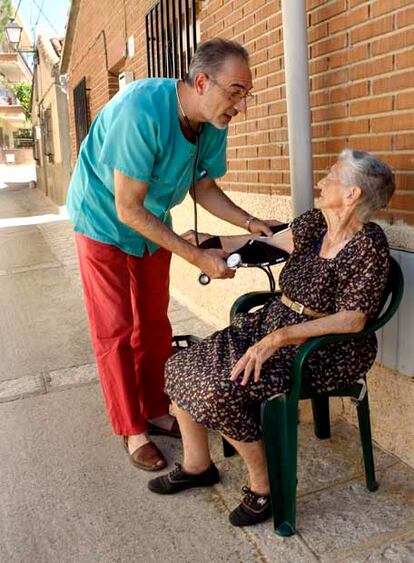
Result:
362,82
361,63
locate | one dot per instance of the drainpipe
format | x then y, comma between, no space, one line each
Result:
298,106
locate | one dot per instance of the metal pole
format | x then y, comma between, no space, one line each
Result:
148,45
180,41
163,45
157,42
151,15
168,49
194,25
298,106
187,33
174,40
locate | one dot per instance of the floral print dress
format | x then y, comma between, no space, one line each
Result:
197,378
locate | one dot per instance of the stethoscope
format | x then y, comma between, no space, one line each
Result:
203,173
235,260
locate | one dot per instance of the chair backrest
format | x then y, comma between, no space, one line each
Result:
393,292
391,298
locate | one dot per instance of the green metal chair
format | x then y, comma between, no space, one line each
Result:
279,415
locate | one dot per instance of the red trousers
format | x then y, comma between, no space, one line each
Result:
126,299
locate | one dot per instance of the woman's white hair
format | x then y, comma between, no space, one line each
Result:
372,175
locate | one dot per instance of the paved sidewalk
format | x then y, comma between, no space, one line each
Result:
68,494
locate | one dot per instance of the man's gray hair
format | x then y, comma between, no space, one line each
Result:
210,56
372,175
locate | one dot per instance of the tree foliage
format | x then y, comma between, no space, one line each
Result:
6,11
23,92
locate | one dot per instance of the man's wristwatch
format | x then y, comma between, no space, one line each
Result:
249,219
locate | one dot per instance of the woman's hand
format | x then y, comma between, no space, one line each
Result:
255,356
190,237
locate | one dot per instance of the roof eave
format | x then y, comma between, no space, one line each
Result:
69,36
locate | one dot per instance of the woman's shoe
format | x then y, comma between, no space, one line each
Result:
178,480
252,510
147,457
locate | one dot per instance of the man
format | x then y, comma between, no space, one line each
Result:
136,163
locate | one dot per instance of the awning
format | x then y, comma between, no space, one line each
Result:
14,68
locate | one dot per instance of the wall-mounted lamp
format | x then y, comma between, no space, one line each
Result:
14,33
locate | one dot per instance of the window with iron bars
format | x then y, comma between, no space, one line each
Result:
48,135
171,36
80,102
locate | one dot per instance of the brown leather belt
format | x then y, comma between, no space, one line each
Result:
301,309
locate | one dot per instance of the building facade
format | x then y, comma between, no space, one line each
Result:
14,69
361,63
50,119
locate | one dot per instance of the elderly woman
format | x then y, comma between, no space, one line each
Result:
337,270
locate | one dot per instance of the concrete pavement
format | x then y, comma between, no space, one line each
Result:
67,492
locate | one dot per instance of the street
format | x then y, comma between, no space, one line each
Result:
68,493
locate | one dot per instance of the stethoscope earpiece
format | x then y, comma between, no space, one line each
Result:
204,279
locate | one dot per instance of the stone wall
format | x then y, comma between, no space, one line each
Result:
21,156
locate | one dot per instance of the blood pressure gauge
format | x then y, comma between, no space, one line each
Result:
233,261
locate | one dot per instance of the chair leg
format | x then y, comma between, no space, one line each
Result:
228,449
320,408
280,431
366,442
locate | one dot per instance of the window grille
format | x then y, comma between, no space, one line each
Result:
36,145
48,132
171,35
80,101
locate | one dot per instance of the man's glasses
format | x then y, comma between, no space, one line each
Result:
235,96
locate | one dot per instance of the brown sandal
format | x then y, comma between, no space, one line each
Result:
147,457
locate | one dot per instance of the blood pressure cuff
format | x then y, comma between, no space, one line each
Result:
254,252
277,228
258,253
213,242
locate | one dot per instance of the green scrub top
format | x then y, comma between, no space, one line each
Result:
138,133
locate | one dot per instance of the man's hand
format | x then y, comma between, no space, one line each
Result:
213,263
129,200
216,202
253,359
